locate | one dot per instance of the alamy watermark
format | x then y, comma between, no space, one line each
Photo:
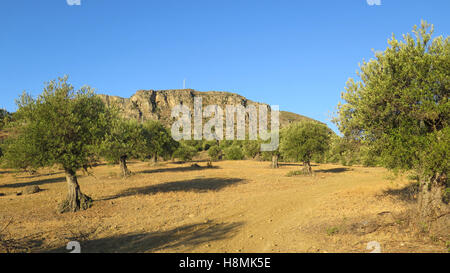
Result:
374,246
213,128
74,246
73,2
374,2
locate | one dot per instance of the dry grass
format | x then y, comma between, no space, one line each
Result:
237,206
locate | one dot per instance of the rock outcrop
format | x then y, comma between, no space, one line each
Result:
158,104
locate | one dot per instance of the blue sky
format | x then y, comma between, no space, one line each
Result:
295,54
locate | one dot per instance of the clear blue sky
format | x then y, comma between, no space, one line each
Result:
295,54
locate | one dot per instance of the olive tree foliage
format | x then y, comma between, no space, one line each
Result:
59,127
185,151
252,148
234,152
159,140
349,151
215,153
303,140
400,108
125,139
5,118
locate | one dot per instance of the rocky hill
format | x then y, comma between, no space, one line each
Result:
158,104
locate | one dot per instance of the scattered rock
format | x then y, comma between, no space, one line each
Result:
384,213
314,249
2,194
364,227
31,190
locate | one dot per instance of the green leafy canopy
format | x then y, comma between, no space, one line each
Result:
301,141
125,138
400,105
61,126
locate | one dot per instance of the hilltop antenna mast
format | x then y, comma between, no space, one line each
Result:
184,84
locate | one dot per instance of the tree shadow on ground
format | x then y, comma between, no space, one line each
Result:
408,193
7,172
8,244
193,185
19,246
294,164
178,169
40,175
333,170
188,236
34,183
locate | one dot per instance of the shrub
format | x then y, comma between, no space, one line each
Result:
185,152
332,231
215,153
234,152
207,144
252,148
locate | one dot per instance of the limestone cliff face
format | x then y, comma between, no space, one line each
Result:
158,104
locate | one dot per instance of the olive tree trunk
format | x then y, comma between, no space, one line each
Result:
124,167
307,168
275,162
433,198
155,159
209,164
76,200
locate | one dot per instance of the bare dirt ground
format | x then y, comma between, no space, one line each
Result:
237,206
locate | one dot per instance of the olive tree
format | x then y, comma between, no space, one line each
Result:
125,139
61,126
159,141
214,153
5,118
185,152
301,141
252,148
400,107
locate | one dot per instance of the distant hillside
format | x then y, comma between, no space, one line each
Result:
158,104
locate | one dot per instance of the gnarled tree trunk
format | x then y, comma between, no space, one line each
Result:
307,168
76,200
275,162
209,164
433,199
123,166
